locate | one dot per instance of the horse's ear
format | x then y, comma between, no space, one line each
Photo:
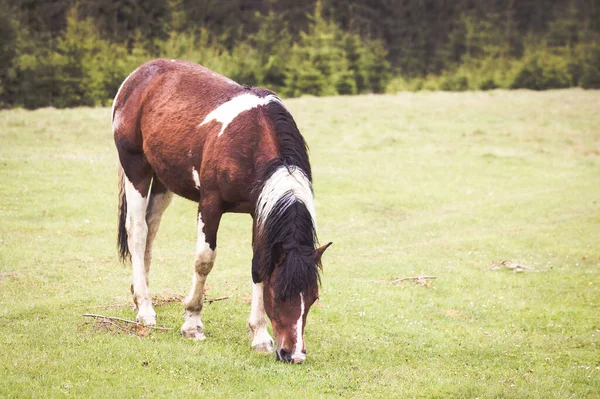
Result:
317,253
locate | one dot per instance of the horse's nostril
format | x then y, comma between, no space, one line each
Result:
284,356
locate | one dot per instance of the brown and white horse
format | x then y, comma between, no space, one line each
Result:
181,128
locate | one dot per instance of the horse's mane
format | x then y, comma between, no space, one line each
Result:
290,225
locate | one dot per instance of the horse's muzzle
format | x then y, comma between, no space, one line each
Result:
284,356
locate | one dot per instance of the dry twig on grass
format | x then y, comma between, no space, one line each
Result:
123,325
418,279
135,328
514,266
221,298
161,300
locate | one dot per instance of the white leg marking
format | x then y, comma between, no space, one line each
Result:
196,178
203,263
137,232
282,181
156,207
261,340
297,355
227,112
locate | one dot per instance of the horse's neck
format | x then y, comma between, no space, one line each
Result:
281,188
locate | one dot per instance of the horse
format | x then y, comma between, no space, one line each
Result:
180,128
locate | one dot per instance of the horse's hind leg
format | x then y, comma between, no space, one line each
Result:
209,216
137,186
160,198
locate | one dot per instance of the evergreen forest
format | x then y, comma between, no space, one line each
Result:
66,53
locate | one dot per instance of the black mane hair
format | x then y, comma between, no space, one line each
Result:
289,226
292,231
292,146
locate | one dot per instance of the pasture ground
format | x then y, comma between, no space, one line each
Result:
438,184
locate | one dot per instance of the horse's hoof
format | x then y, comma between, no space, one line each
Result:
147,321
195,334
265,347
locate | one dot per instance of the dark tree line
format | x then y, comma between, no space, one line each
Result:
76,52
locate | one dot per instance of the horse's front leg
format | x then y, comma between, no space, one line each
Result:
261,340
209,216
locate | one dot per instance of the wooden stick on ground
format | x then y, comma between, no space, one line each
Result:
112,323
160,301
515,267
418,279
113,319
221,298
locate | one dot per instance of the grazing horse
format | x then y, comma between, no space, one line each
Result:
181,128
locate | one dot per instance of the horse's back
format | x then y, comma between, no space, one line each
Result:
163,111
159,87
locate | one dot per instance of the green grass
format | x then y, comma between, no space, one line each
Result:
441,184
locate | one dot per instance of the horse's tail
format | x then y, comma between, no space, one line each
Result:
124,253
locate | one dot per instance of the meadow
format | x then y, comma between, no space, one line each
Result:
449,185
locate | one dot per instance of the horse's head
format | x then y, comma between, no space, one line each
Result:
289,291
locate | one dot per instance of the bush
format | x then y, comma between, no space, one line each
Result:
431,84
590,77
8,50
345,83
244,67
488,84
455,83
35,77
375,66
417,84
306,80
328,61
541,73
396,85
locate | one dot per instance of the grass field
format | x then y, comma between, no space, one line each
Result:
437,184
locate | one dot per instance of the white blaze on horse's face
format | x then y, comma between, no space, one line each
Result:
288,319
299,352
227,112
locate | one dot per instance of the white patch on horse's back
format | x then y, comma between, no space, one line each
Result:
228,111
297,353
282,181
196,178
112,113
